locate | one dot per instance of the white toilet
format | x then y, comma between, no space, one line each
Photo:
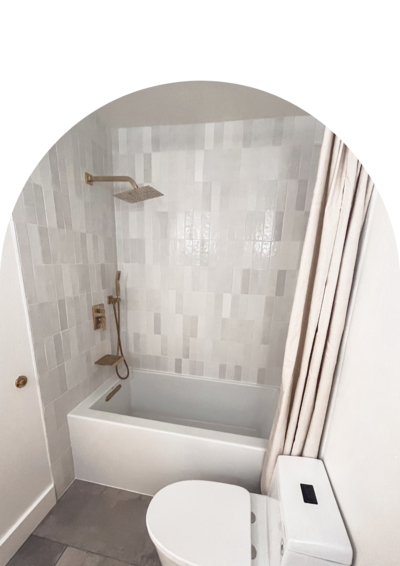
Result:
203,523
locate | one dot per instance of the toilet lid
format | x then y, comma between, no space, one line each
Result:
202,523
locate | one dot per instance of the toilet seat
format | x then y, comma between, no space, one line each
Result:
201,523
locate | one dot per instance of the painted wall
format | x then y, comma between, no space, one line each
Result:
66,238
361,445
26,486
209,269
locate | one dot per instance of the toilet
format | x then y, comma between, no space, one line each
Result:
205,523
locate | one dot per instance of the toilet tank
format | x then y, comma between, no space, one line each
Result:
305,527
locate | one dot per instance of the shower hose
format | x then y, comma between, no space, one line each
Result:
119,348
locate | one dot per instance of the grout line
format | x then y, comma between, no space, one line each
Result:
85,550
61,555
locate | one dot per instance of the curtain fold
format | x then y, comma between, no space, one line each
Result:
341,196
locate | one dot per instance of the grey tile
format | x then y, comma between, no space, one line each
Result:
155,138
37,551
59,208
300,226
278,224
157,323
55,179
40,357
50,352
245,281
74,557
266,332
218,134
280,283
102,520
58,349
193,326
62,313
66,344
247,133
277,135
147,168
45,244
185,347
58,281
237,376
164,346
301,195
261,375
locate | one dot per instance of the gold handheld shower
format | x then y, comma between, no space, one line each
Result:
137,194
115,302
117,287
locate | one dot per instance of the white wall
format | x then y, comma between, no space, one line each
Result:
26,486
361,447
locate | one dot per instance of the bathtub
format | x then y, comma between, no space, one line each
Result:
161,428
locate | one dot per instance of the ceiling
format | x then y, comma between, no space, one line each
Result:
194,102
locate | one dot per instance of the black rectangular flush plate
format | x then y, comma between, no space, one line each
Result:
308,493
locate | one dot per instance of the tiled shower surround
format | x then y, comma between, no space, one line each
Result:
209,269
66,238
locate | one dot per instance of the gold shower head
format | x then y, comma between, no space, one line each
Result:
137,194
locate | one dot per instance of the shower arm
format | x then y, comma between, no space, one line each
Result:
90,179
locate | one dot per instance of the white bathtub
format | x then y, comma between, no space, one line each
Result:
162,428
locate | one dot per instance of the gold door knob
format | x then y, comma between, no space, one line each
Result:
21,381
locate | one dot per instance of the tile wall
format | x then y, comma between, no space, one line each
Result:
66,237
209,269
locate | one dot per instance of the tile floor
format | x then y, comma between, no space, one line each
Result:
91,525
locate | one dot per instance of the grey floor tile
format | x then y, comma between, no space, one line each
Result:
103,520
76,557
37,551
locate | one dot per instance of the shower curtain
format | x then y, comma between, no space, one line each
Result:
341,197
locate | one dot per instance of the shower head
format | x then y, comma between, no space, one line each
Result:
137,194
140,193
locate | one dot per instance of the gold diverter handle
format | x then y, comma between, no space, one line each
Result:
21,381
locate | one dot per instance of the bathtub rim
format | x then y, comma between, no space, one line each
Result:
84,411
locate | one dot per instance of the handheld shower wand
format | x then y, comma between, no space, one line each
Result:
117,287
115,302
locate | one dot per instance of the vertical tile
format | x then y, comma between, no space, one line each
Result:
237,373
277,135
280,283
261,375
157,323
58,349
234,260
245,281
50,352
248,133
44,244
40,357
278,226
301,195
222,371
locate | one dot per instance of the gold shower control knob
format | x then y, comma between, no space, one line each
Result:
21,381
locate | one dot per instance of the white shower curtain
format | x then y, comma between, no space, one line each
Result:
341,197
